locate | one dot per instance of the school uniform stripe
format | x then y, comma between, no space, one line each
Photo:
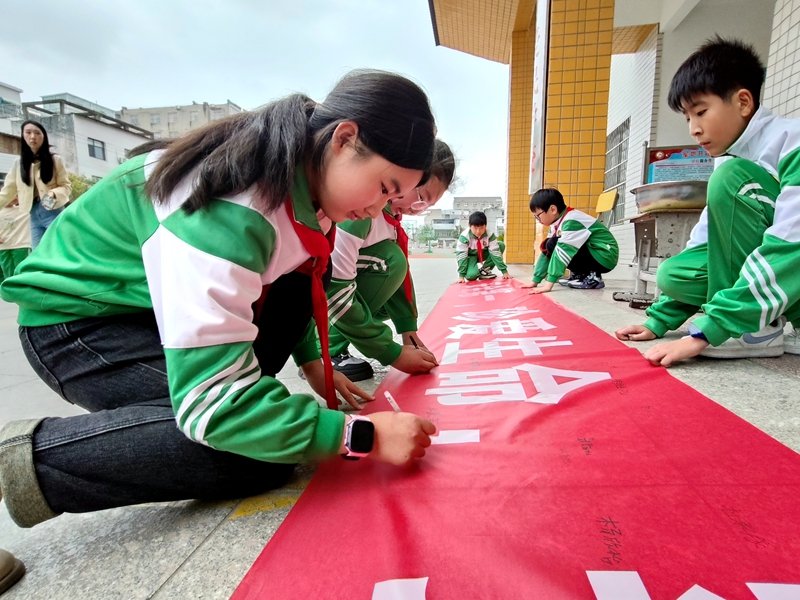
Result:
783,299
341,298
215,392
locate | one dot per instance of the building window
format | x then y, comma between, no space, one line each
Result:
217,113
172,117
3,178
97,149
616,167
155,118
193,116
134,119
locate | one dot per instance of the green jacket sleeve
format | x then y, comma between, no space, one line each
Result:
402,312
667,314
462,250
222,400
307,349
540,271
497,255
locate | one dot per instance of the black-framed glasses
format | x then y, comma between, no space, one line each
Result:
538,215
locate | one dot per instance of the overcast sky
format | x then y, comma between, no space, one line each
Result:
165,52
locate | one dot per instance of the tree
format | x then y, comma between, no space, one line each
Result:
426,234
80,185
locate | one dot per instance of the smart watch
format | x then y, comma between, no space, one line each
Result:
695,332
359,437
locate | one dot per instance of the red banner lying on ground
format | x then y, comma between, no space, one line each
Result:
566,467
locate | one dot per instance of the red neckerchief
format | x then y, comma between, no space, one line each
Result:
561,220
319,246
542,246
402,241
479,246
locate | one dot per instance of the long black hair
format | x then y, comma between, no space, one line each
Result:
27,156
263,147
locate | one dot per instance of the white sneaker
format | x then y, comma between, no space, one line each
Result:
762,344
791,342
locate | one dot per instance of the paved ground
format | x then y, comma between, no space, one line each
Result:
202,550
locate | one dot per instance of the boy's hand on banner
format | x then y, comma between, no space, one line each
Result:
415,362
542,289
315,376
635,333
400,438
671,352
506,276
462,280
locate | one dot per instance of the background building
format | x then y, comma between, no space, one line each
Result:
588,87
91,142
174,121
10,145
492,206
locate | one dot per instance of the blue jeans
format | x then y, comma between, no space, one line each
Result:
128,449
41,219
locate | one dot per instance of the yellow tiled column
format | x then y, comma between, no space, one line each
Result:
577,99
520,230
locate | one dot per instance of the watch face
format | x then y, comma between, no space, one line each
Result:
362,436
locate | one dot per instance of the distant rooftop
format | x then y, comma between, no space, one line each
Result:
77,100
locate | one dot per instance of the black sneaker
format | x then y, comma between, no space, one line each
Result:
485,273
572,277
355,369
593,281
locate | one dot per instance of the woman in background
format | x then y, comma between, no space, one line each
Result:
39,179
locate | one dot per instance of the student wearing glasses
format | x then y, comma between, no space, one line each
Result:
372,283
577,242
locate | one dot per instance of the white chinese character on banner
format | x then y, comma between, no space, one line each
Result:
505,385
488,290
506,327
497,313
530,346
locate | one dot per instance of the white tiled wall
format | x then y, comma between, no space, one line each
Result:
783,67
632,92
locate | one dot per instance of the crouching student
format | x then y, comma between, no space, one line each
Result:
577,241
478,251
372,283
740,265
149,322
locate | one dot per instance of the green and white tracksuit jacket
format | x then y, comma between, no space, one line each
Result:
467,252
574,229
768,284
369,269
116,252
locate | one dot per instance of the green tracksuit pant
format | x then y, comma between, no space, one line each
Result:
736,227
9,259
380,288
473,271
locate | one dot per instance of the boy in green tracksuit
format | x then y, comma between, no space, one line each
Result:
478,251
578,242
740,265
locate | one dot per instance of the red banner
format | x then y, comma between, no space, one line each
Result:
566,467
